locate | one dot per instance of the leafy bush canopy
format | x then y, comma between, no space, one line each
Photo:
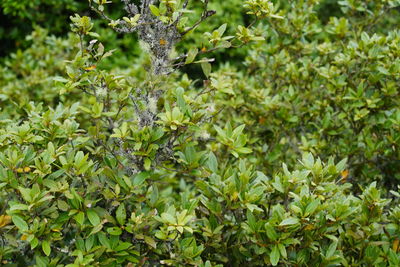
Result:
210,134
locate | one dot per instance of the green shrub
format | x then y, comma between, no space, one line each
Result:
18,18
329,89
108,164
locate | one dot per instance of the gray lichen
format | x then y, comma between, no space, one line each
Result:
159,37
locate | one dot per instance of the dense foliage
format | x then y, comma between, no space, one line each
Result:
200,133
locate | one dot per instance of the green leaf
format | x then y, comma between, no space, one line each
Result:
225,44
150,241
96,229
147,164
271,233
89,242
274,256
60,79
155,10
104,240
206,67
20,223
26,194
190,154
238,130
251,220
34,243
114,231
41,261
289,221
212,162
243,150
331,250
311,207
18,207
80,217
46,247
282,250
168,218
93,217
220,131
140,178
121,214
191,55
253,207
221,30
278,185
154,195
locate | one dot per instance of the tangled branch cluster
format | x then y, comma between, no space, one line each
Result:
159,37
